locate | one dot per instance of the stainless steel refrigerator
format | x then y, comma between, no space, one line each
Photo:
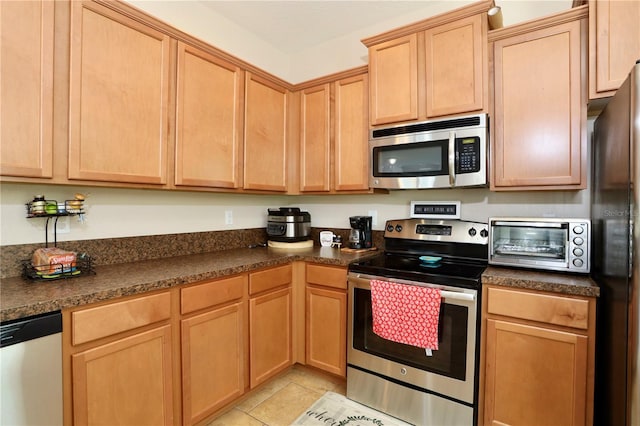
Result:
615,214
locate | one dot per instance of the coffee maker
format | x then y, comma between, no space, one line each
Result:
360,236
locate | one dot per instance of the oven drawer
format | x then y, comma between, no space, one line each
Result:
540,307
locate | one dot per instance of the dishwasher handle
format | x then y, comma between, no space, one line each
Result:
30,328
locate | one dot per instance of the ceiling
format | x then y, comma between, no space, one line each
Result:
298,24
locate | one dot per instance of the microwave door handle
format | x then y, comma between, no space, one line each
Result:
452,159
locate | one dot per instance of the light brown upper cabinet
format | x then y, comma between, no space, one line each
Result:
119,97
209,119
456,66
350,152
393,69
315,138
265,145
614,44
539,119
432,68
26,105
334,135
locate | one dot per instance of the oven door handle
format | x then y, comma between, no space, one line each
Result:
362,281
452,295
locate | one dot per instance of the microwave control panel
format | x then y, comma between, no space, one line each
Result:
467,155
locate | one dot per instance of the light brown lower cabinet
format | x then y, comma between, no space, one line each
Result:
539,358
270,323
120,361
212,346
326,318
180,356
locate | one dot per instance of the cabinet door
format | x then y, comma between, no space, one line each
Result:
534,376
126,382
26,84
539,114
351,152
326,325
269,335
455,66
265,149
212,361
119,95
208,120
614,44
393,70
315,132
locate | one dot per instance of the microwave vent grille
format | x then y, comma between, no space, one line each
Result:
427,126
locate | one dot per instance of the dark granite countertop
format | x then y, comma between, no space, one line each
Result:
21,298
556,282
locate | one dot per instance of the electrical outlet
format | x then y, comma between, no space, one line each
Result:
228,217
62,225
374,217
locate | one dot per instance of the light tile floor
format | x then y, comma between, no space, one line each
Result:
282,400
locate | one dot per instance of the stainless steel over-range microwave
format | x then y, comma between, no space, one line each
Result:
444,153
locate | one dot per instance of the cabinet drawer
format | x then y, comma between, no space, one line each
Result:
557,310
269,279
106,320
211,293
327,276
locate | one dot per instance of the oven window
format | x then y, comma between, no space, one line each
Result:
413,159
530,241
449,360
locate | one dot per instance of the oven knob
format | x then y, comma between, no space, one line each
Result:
484,233
390,228
578,263
578,230
399,228
578,252
578,241
472,232
403,371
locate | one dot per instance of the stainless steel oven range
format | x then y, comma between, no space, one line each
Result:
403,380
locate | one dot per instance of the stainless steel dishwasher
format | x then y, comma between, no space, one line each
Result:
31,371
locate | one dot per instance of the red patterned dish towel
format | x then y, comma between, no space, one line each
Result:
406,313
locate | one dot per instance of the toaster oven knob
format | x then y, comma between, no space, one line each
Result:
578,252
578,263
484,233
578,241
472,232
578,230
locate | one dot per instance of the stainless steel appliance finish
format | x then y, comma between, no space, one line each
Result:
444,153
616,258
403,380
288,224
541,243
31,371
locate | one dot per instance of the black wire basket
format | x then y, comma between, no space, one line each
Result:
83,266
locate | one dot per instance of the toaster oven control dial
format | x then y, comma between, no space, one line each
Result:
578,252
578,241
578,230
578,263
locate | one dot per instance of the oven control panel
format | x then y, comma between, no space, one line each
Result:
458,231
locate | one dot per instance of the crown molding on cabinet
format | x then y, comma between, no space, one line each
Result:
540,23
444,18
